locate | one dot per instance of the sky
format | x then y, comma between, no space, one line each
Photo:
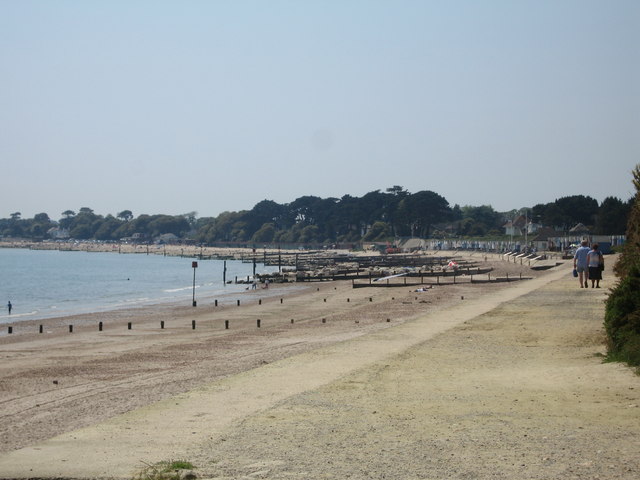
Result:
209,106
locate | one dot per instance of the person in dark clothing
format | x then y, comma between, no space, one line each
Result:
595,260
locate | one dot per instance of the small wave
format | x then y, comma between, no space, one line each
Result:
182,289
127,303
134,300
7,318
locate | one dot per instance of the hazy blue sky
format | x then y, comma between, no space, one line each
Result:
178,106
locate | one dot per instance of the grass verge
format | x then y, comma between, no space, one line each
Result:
167,470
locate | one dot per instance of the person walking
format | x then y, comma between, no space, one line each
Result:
580,264
595,260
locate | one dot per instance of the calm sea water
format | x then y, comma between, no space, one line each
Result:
50,283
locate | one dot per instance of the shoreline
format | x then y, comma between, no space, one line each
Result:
176,308
187,251
30,305
21,322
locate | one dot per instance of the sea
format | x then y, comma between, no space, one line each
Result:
43,284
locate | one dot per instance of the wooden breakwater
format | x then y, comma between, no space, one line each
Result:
312,260
373,275
438,280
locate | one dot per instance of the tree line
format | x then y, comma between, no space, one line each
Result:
376,216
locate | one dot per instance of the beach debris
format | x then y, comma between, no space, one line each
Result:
453,265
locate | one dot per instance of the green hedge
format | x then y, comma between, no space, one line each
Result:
622,319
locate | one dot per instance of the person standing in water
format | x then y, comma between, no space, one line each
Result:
9,307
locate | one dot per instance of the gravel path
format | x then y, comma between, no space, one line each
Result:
519,392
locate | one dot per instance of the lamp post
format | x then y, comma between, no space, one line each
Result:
513,226
194,265
526,231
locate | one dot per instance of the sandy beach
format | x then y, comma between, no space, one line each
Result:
485,380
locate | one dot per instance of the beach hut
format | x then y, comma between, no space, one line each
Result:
545,239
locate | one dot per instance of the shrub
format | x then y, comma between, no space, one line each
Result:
622,311
622,319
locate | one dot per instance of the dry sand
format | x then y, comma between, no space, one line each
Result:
505,383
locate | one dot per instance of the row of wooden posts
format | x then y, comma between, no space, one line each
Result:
193,322
162,325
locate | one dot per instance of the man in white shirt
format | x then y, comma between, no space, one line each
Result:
580,264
